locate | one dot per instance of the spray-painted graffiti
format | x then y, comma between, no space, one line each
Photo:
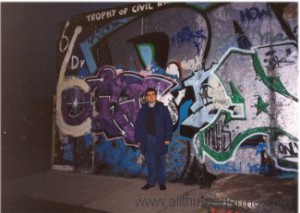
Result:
112,102
226,72
86,45
192,64
187,35
286,149
233,168
254,13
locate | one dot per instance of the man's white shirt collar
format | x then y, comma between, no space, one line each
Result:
152,104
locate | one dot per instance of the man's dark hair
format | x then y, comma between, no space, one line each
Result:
151,90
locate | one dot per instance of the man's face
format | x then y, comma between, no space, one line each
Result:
151,97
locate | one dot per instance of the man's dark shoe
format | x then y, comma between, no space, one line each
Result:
162,187
147,186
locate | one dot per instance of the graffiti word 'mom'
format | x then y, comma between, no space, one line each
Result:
254,13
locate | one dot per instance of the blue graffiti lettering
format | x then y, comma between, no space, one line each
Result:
187,35
258,168
254,13
228,167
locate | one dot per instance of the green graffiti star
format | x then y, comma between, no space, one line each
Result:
261,106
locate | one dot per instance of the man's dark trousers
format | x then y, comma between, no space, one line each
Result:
155,162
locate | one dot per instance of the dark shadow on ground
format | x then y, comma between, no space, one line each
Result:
29,205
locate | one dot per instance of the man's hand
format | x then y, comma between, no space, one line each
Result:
166,142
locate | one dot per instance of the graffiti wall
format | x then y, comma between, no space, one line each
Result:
227,73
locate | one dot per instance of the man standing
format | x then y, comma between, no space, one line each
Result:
153,132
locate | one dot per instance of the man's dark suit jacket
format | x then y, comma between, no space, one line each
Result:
163,127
